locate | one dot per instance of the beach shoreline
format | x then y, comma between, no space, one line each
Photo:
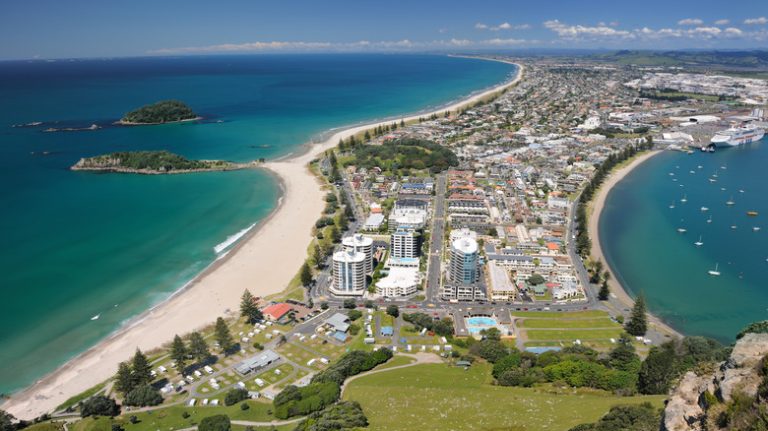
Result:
278,241
618,291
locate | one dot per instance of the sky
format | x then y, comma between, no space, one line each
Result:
108,28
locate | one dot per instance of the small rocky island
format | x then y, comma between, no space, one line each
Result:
163,112
153,163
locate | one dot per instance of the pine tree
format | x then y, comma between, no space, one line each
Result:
305,275
249,309
317,256
123,379
604,292
198,348
335,234
141,369
179,353
223,337
638,321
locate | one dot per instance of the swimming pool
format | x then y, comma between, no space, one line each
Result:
481,321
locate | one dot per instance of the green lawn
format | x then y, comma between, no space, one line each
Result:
46,426
396,361
568,323
560,314
170,418
575,334
436,396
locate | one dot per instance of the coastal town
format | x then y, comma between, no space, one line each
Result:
443,234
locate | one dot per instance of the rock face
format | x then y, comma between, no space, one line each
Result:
688,403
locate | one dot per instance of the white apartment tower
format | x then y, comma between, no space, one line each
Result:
361,244
348,273
404,244
464,264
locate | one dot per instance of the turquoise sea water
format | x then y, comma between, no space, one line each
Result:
638,233
75,245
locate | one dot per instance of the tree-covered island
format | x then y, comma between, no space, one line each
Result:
165,111
153,162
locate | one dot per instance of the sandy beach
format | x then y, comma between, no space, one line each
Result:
593,218
264,262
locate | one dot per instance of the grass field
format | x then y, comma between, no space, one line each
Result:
436,396
571,335
559,314
567,323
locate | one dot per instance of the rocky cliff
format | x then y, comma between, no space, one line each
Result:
724,397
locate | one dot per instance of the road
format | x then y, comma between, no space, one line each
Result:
436,239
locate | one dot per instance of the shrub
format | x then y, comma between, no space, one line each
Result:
234,396
244,406
354,314
99,405
143,396
215,423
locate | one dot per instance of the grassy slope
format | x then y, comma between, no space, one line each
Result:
435,396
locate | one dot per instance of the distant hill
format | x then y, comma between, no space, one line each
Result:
757,59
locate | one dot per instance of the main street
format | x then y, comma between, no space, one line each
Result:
436,239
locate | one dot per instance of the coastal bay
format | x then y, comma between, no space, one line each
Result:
636,230
250,264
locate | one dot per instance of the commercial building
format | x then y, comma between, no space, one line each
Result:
362,244
463,268
404,244
407,218
255,363
399,282
348,273
501,287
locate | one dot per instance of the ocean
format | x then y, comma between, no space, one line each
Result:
640,239
76,245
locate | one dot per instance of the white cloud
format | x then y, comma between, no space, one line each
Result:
690,21
566,31
756,21
357,46
722,22
733,31
503,26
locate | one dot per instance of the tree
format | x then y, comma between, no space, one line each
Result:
99,405
234,396
604,292
317,256
248,307
638,321
323,305
305,274
335,234
223,337
354,315
141,369
623,356
215,423
179,353
350,303
393,311
536,279
123,379
198,348
142,396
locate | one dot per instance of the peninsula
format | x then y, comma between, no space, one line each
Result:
152,163
165,111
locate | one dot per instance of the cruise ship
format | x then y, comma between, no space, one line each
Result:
737,136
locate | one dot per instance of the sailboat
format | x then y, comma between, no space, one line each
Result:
698,243
709,220
672,205
96,317
682,230
684,199
704,209
730,201
714,272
